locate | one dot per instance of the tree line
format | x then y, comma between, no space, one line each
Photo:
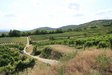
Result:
17,33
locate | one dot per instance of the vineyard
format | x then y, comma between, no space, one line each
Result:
13,40
12,60
97,41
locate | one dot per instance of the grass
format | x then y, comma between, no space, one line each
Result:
39,69
62,48
90,61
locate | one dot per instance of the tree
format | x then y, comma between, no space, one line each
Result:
14,33
37,32
59,31
3,35
51,38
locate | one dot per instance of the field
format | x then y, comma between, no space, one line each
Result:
13,40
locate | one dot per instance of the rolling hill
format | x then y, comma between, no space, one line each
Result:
92,24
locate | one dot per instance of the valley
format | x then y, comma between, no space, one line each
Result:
84,49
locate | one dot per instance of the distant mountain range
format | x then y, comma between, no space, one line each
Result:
95,23
45,28
98,23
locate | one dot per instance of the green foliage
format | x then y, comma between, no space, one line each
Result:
51,38
36,51
10,59
14,33
3,35
13,40
50,53
97,41
102,44
88,43
17,46
103,62
46,52
110,42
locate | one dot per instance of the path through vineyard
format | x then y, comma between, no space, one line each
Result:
47,61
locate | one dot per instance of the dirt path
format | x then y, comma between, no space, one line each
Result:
47,61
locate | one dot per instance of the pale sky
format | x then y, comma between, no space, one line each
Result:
31,14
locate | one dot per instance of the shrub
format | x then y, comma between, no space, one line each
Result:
11,60
79,42
102,44
51,38
110,42
89,43
103,62
49,53
46,52
35,51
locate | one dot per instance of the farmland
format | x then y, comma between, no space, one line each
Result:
13,40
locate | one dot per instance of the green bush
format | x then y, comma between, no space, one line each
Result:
46,52
11,60
51,38
36,51
110,42
102,44
103,62
89,43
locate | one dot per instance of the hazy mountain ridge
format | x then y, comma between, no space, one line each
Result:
97,23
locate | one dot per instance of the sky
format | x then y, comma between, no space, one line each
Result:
31,14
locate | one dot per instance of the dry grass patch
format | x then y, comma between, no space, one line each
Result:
62,48
90,63
39,69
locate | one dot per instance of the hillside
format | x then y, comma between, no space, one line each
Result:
68,27
100,24
45,28
92,24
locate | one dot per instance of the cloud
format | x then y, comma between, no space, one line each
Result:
103,12
74,6
10,15
78,15
106,14
1,13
